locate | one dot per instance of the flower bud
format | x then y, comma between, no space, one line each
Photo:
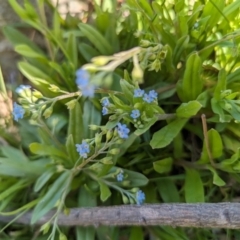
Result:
98,139
156,65
107,160
145,43
93,127
60,168
71,104
114,151
109,135
45,227
47,113
54,88
62,236
126,183
101,60
152,56
137,74
228,106
37,94
119,141
66,211
134,190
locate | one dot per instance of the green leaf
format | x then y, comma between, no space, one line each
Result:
168,191
187,110
71,149
194,191
216,179
14,154
214,10
165,136
87,51
75,125
216,107
127,90
164,165
215,146
2,85
22,183
221,84
105,191
43,179
136,179
43,149
27,51
136,233
35,75
72,50
179,48
17,38
96,38
54,194
192,83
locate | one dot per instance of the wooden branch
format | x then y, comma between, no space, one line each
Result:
206,215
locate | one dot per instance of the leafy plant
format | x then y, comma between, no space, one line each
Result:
145,96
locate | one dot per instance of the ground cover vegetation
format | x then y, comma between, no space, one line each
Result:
134,103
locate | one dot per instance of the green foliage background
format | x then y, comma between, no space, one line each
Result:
188,148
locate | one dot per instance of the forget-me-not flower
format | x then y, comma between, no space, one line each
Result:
105,102
138,92
147,98
135,113
83,149
18,111
122,130
150,97
83,83
104,111
22,88
120,177
153,94
140,197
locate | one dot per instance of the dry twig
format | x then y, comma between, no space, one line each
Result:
206,215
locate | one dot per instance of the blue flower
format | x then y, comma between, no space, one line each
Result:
135,113
83,149
150,97
104,111
82,77
18,111
88,91
138,93
83,83
122,130
140,197
147,98
22,88
120,177
105,102
153,94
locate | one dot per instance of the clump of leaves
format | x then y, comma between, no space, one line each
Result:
145,96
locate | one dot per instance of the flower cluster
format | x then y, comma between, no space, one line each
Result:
105,104
83,83
18,111
83,149
150,97
140,197
122,130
